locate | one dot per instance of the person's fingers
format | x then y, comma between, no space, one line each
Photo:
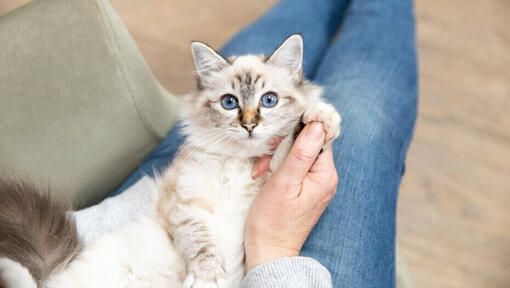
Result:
323,177
302,155
261,166
324,162
263,163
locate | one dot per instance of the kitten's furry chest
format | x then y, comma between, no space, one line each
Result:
227,186
218,178
226,183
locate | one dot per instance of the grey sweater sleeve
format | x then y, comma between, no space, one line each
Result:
295,272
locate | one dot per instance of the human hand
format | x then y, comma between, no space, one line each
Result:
262,164
291,202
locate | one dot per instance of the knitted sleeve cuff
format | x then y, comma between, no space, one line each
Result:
295,272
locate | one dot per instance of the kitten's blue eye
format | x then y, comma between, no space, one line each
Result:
269,100
229,102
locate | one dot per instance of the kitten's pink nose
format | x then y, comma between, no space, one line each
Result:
249,119
249,126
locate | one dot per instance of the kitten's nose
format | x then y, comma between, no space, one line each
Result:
249,126
249,119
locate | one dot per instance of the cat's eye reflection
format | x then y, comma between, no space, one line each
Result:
229,102
269,100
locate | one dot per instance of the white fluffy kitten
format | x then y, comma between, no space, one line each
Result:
241,105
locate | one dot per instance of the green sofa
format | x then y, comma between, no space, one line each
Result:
79,106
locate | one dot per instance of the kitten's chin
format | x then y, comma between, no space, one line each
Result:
241,148
243,151
252,147
257,145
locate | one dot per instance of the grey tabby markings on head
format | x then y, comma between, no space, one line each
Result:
288,54
247,78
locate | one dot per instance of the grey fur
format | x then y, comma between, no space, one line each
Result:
35,230
247,87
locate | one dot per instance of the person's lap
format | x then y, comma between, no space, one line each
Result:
369,74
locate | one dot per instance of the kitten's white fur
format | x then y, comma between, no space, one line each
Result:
138,255
12,274
196,240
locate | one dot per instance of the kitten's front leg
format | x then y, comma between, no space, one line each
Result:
327,114
190,228
320,112
205,265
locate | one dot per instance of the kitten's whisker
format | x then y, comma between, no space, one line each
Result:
221,138
216,137
210,146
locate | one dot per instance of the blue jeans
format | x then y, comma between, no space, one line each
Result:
369,74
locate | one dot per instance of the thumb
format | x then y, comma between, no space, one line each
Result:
303,154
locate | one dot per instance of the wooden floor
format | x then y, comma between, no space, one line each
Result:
454,209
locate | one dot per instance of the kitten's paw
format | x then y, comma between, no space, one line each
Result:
205,271
327,114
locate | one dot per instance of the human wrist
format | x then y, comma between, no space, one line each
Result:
259,254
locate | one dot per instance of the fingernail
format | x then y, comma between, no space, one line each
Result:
315,130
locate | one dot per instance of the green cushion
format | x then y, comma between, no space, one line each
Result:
79,106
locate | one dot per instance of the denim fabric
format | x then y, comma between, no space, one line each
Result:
369,74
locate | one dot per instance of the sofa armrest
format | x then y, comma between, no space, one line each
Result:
79,106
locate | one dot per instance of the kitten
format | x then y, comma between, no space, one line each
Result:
240,106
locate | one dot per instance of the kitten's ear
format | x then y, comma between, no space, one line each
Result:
206,59
289,54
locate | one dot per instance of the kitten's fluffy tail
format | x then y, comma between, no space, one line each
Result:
36,235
